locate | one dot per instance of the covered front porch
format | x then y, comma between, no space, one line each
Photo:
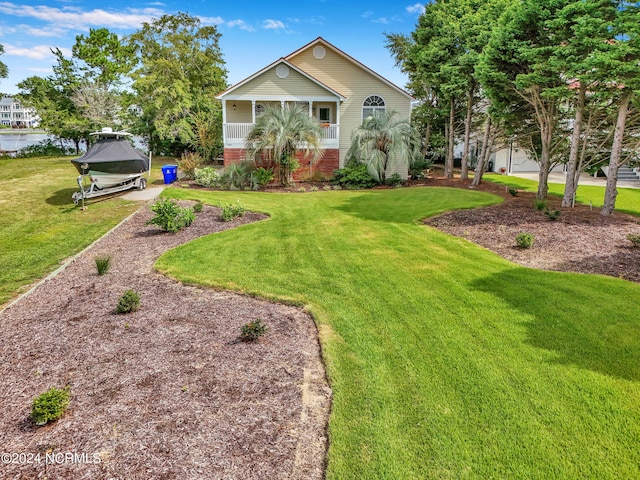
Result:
239,116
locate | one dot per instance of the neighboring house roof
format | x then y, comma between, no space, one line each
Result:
269,67
352,60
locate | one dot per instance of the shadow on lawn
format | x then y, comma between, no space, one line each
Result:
409,205
62,197
588,321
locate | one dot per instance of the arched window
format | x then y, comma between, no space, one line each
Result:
372,105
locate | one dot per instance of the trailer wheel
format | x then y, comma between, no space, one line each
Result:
142,184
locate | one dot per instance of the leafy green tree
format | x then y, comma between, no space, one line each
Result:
103,59
52,98
280,132
181,69
4,70
382,142
618,63
521,80
82,94
579,29
440,59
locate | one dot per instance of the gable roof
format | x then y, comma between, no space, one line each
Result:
269,67
322,41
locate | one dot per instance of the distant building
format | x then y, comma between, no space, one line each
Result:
14,115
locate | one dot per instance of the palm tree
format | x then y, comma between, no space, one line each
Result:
280,132
381,141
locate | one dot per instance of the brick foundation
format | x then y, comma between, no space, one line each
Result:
324,166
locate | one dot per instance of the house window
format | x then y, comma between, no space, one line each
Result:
324,114
372,105
259,109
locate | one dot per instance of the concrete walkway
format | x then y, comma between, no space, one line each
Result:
585,179
149,193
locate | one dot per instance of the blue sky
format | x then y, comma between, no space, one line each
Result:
254,34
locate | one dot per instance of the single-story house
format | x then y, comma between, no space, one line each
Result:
337,90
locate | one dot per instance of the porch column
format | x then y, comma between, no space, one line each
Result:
281,104
310,109
253,111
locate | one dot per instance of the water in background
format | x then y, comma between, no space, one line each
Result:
12,142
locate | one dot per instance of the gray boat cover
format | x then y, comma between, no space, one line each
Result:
113,155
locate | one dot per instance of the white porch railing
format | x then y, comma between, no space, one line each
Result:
235,134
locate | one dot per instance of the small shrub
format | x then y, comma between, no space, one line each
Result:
188,163
239,175
552,214
313,189
251,331
46,148
170,217
524,240
353,175
129,302
418,168
197,208
513,192
207,177
261,177
540,205
50,405
103,262
394,180
302,190
231,211
326,187
337,187
634,238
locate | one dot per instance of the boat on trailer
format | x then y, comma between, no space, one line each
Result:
112,165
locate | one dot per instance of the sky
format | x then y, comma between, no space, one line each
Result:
254,34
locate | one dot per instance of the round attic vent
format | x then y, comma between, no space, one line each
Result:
319,52
282,71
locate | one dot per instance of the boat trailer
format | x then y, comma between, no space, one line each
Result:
93,191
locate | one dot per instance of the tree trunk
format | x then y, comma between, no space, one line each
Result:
477,177
464,173
573,174
427,139
545,162
611,191
448,167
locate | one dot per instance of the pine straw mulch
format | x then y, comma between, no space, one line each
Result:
580,240
165,392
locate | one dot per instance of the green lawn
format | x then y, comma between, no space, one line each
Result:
446,361
628,199
40,225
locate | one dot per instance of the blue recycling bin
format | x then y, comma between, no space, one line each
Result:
170,173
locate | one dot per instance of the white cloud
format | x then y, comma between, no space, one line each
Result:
73,17
273,24
40,70
382,20
31,31
241,24
417,8
37,52
212,20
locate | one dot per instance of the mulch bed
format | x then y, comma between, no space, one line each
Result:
580,240
168,391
